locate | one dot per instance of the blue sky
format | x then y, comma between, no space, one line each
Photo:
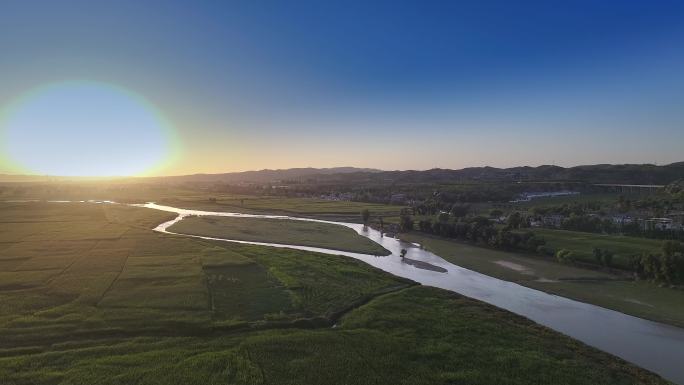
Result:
393,85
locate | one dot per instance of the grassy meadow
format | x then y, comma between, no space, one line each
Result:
413,336
283,231
582,245
90,295
638,298
345,211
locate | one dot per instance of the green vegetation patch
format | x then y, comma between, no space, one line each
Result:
165,291
464,341
220,256
99,261
143,280
10,280
582,245
14,304
283,231
246,292
87,288
319,208
155,244
47,263
132,271
28,249
322,284
416,336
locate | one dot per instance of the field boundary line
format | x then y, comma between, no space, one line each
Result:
123,266
74,261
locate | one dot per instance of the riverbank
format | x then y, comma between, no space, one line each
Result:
641,299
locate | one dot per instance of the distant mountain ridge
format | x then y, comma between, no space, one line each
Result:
268,175
598,173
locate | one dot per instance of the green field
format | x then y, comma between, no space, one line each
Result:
97,269
90,295
638,298
199,199
301,207
415,336
582,245
283,231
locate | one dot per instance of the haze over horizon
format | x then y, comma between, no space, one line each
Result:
172,88
331,170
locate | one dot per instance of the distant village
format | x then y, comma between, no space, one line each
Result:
598,220
554,208
673,221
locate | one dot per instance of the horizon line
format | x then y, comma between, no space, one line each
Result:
361,169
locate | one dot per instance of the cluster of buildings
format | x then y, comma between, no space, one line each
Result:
554,221
662,224
673,221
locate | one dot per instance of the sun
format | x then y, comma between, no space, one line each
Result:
84,128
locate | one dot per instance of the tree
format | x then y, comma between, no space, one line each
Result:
495,213
607,258
459,210
365,215
425,226
514,220
598,255
603,257
672,262
531,241
443,217
565,256
406,222
671,247
544,250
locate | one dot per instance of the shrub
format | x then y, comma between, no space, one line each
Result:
544,250
565,256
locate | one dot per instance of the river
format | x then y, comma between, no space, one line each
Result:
651,345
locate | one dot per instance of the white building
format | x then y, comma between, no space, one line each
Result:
658,224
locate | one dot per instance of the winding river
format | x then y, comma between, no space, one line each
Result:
651,345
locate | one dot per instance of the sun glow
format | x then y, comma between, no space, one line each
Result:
83,128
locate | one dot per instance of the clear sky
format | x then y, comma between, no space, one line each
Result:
214,86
